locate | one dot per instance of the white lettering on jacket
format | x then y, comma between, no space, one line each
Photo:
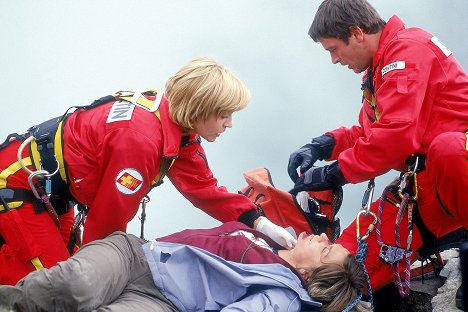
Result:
441,46
121,110
393,66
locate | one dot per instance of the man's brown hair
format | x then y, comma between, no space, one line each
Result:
334,18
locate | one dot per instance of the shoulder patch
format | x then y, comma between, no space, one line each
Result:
128,181
441,46
393,66
121,110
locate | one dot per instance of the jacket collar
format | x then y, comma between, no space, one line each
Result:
391,29
172,133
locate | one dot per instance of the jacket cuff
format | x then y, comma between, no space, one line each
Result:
249,217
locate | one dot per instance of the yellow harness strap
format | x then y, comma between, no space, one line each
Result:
12,169
165,164
58,151
37,263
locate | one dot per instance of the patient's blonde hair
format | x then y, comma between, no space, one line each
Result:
336,286
201,89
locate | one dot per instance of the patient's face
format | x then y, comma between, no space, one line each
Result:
312,251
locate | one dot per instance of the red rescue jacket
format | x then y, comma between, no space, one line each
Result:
421,92
114,152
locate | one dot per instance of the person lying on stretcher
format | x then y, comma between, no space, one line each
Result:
223,268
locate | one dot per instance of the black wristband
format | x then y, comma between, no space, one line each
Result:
335,176
249,217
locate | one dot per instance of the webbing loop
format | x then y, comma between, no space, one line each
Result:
144,201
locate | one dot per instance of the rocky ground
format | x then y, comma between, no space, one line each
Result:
433,293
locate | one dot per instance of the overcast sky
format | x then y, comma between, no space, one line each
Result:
55,54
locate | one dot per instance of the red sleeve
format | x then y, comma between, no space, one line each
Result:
128,161
404,101
192,176
345,138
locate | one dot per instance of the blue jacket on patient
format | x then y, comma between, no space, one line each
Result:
197,280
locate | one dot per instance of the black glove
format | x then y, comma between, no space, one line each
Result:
305,157
319,179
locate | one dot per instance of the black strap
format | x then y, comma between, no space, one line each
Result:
44,135
9,138
17,194
8,195
421,162
186,140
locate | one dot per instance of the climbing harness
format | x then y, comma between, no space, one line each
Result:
46,146
394,254
41,193
48,180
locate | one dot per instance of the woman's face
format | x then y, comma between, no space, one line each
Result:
312,251
212,128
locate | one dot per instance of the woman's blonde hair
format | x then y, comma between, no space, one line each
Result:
201,89
336,286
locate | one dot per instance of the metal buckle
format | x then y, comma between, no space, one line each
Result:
392,254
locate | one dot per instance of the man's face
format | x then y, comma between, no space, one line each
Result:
354,54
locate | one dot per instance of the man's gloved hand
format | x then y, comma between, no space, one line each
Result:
276,233
319,179
305,157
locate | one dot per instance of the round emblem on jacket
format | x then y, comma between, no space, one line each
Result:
128,181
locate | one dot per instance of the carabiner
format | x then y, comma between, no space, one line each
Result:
146,199
31,182
405,178
20,153
23,165
368,196
371,226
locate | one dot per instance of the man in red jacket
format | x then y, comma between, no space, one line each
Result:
108,155
413,119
